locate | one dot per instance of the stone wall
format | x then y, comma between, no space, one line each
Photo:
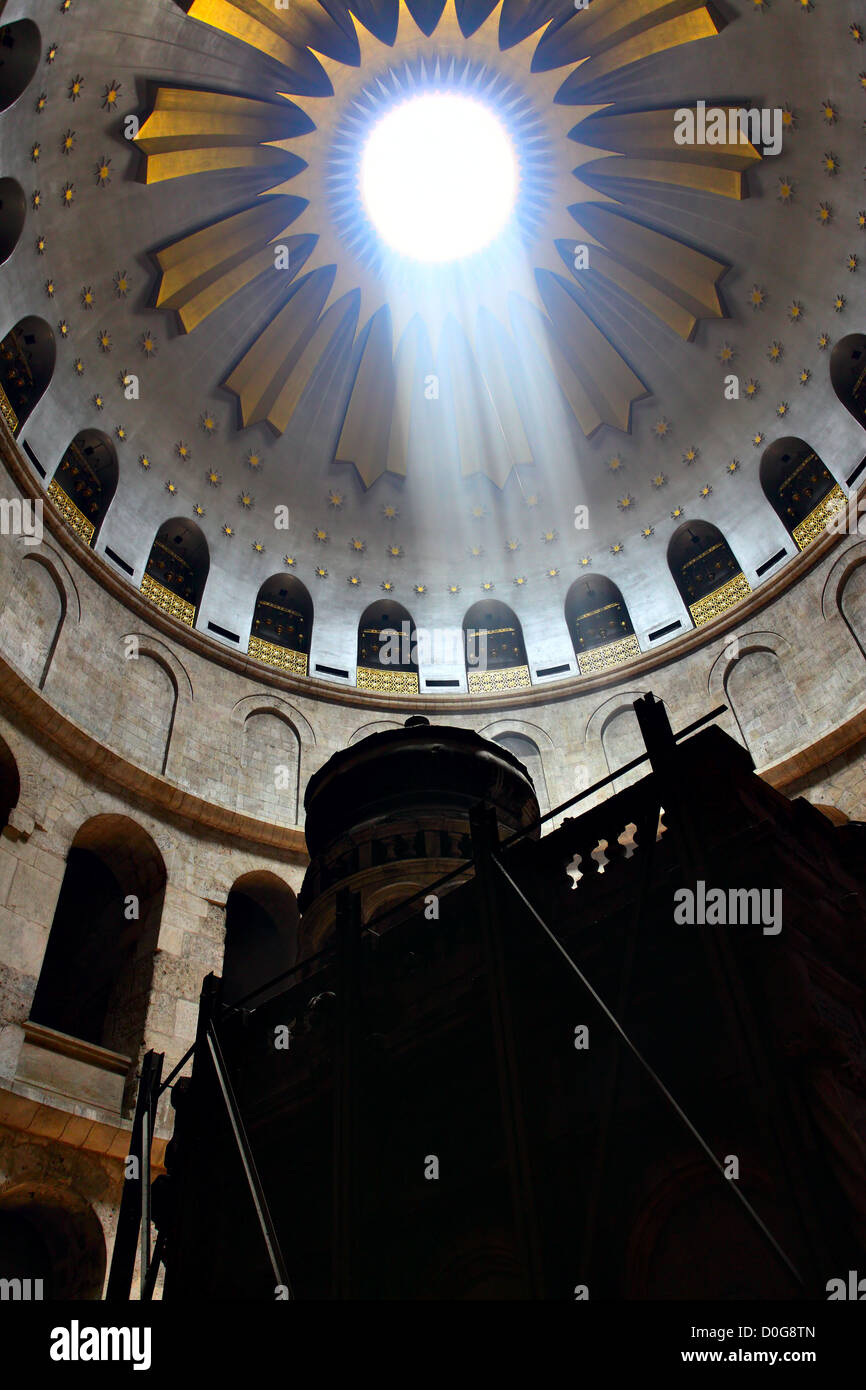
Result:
109,712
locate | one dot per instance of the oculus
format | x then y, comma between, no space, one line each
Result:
533,308
439,177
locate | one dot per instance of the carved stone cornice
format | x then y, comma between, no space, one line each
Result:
55,730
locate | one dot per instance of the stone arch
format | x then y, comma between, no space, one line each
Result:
64,578
34,615
261,939
376,726
614,724
852,604
85,481
525,748
540,737
706,571
10,783
151,646
751,677
51,1233
375,902
269,772
27,357
20,49
278,705
800,488
13,212
621,741
96,974
848,374
147,709
844,593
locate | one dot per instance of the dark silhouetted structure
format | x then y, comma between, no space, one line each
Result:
532,1081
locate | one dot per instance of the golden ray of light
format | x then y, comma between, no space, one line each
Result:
579,158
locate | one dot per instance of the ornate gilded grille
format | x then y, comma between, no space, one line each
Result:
7,412
170,603
70,513
509,678
281,657
390,682
720,600
812,526
611,654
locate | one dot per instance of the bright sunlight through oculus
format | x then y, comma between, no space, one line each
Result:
439,177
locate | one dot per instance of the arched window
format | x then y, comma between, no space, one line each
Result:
495,653
177,568
10,783
599,624
705,570
848,374
13,210
261,934
27,356
282,624
84,483
96,974
20,47
387,649
800,488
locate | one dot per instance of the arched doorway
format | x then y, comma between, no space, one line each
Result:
599,624
848,374
706,571
495,651
13,210
387,649
177,569
27,356
85,482
261,935
95,980
10,783
800,488
20,46
51,1234
282,624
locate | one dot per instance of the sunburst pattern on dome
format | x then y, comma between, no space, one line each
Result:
524,305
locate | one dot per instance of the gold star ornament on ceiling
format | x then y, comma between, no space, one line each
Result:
523,304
